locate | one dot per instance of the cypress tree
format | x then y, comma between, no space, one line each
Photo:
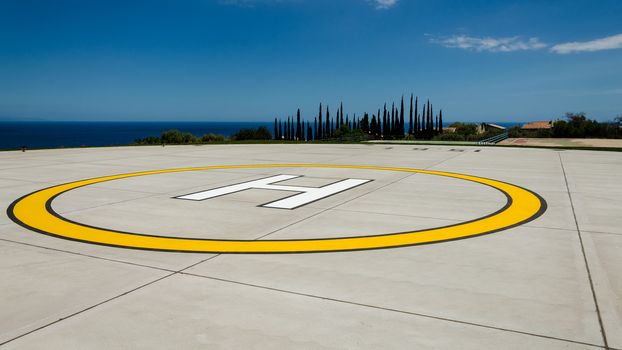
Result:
431,113
288,135
341,108
418,131
390,121
436,129
384,122
440,122
338,120
320,134
279,129
314,128
410,116
416,115
416,126
276,135
327,133
424,116
393,120
431,119
401,135
298,126
427,121
372,125
396,127
378,126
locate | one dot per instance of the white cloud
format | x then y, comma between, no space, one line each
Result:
507,44
384,4
608,43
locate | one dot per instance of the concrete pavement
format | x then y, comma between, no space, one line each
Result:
554,282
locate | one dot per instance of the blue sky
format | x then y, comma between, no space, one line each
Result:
257,59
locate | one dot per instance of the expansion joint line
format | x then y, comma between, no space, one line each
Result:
587,265
350,200
181,271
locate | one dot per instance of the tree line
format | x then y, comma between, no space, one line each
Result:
386,123
574,125
177,137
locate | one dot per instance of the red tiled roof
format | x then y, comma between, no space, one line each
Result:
537,125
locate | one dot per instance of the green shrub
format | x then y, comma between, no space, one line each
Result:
577,125
151,140
211,137
465,128
177,137
261,133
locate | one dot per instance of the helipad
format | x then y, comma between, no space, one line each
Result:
388,246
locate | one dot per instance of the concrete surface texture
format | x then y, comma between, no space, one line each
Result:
562,142
551,283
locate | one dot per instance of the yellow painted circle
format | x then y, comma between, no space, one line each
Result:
34,211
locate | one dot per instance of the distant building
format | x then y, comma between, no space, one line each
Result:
539,125
483,127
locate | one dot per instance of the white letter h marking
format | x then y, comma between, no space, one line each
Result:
306,195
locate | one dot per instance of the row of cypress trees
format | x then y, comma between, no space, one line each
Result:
388,125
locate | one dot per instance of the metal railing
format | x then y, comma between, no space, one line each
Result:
493,140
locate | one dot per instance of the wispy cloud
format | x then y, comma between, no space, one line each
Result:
607,43
384,4
506,44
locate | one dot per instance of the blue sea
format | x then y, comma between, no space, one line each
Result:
14,135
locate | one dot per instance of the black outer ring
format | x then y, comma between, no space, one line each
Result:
48,205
